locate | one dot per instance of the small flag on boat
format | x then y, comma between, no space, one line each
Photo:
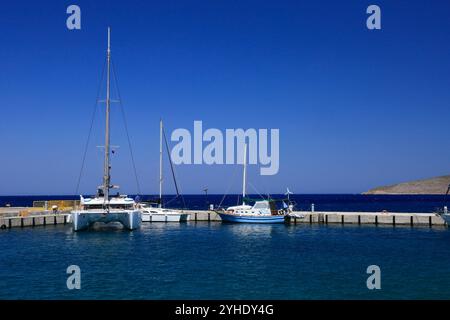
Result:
284,205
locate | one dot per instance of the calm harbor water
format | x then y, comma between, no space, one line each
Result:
226,261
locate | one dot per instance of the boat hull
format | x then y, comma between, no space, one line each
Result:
293,217
82,220
234,218
165,217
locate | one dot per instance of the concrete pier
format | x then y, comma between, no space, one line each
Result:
203,215
328,217
376,218
14,218
8,222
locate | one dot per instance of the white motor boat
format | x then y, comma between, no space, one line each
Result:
446,215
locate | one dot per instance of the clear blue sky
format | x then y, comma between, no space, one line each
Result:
356,108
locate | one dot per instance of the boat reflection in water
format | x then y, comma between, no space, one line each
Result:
248,231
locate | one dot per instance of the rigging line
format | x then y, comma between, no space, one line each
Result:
171,200
170,161
126,126
172,169
254,188
90,129
229,186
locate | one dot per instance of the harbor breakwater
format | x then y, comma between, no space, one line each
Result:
13,218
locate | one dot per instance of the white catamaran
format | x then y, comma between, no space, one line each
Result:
105,208
158,213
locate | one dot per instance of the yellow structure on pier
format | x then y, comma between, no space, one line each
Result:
61,205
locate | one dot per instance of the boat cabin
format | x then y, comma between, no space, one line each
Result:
260,207
121,202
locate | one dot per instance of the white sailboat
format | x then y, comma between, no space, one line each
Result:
103,207
262,211
160,214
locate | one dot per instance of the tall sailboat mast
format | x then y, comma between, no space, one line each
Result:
160,161
245,174
107,167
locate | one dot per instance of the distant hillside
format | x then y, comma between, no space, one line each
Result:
437,185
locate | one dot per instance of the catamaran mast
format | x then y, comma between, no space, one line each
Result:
245,173
107,167
160,161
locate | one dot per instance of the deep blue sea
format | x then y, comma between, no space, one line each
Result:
322,202
234,261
